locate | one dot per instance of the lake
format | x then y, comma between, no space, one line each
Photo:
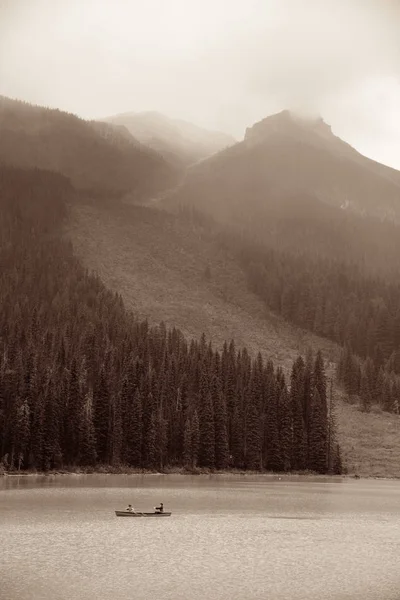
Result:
229,538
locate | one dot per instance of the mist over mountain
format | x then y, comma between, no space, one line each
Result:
285,157
96,156
292,241
178,141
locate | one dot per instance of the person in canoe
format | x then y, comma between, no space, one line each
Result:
130,508
159,508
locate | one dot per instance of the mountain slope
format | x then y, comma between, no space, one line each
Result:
96,157
178,141
169,271
284,158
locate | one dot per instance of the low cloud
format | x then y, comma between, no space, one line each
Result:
220,63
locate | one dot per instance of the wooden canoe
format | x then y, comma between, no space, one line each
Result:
126,513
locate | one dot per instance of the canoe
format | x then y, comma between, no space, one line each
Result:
126,513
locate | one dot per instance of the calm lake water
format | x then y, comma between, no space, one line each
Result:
229,538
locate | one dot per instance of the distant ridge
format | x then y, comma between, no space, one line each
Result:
285,157
177,140
97,157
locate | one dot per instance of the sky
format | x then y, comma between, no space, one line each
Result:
222,64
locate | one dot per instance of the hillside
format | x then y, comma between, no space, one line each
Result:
97,158
179,142
166,270
169,270
285,160
172,268
85,384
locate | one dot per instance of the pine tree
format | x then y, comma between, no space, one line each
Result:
38,433
187,444
308,397
72,415
22,432
221,433
87,436
135,430
337,461
319,378
101,402
161,438
299,447
285,429
237,431
365,393
272,458
318,435
332,444
195,426
253,433
51,452
255,401
151,439
207,434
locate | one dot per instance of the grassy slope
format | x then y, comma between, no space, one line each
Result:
159,268
370,442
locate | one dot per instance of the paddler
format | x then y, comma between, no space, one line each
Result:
160,508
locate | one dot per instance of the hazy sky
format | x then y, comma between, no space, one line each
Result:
222,64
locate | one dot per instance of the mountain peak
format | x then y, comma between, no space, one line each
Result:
288,123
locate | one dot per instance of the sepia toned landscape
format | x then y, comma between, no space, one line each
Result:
199,299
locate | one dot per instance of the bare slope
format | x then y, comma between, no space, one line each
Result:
166,271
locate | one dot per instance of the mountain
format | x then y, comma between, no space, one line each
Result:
180,142
176,270
186,270
290,163
97,157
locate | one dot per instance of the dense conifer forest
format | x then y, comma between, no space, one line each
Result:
83,383
341,301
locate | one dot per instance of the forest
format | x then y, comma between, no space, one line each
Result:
84,383
341,301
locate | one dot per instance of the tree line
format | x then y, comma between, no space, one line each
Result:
367,381
339,301
83,382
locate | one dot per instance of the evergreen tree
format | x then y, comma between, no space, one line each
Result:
237,432
332,443
365,393
299,445
161,439
135,430
151,440
272,458
318,435
87,436
285,429
207,434
221,433
187,445
22,432
101,401
195,426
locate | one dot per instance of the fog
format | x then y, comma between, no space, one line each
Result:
223,64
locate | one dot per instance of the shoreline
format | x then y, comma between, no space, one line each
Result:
197,473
